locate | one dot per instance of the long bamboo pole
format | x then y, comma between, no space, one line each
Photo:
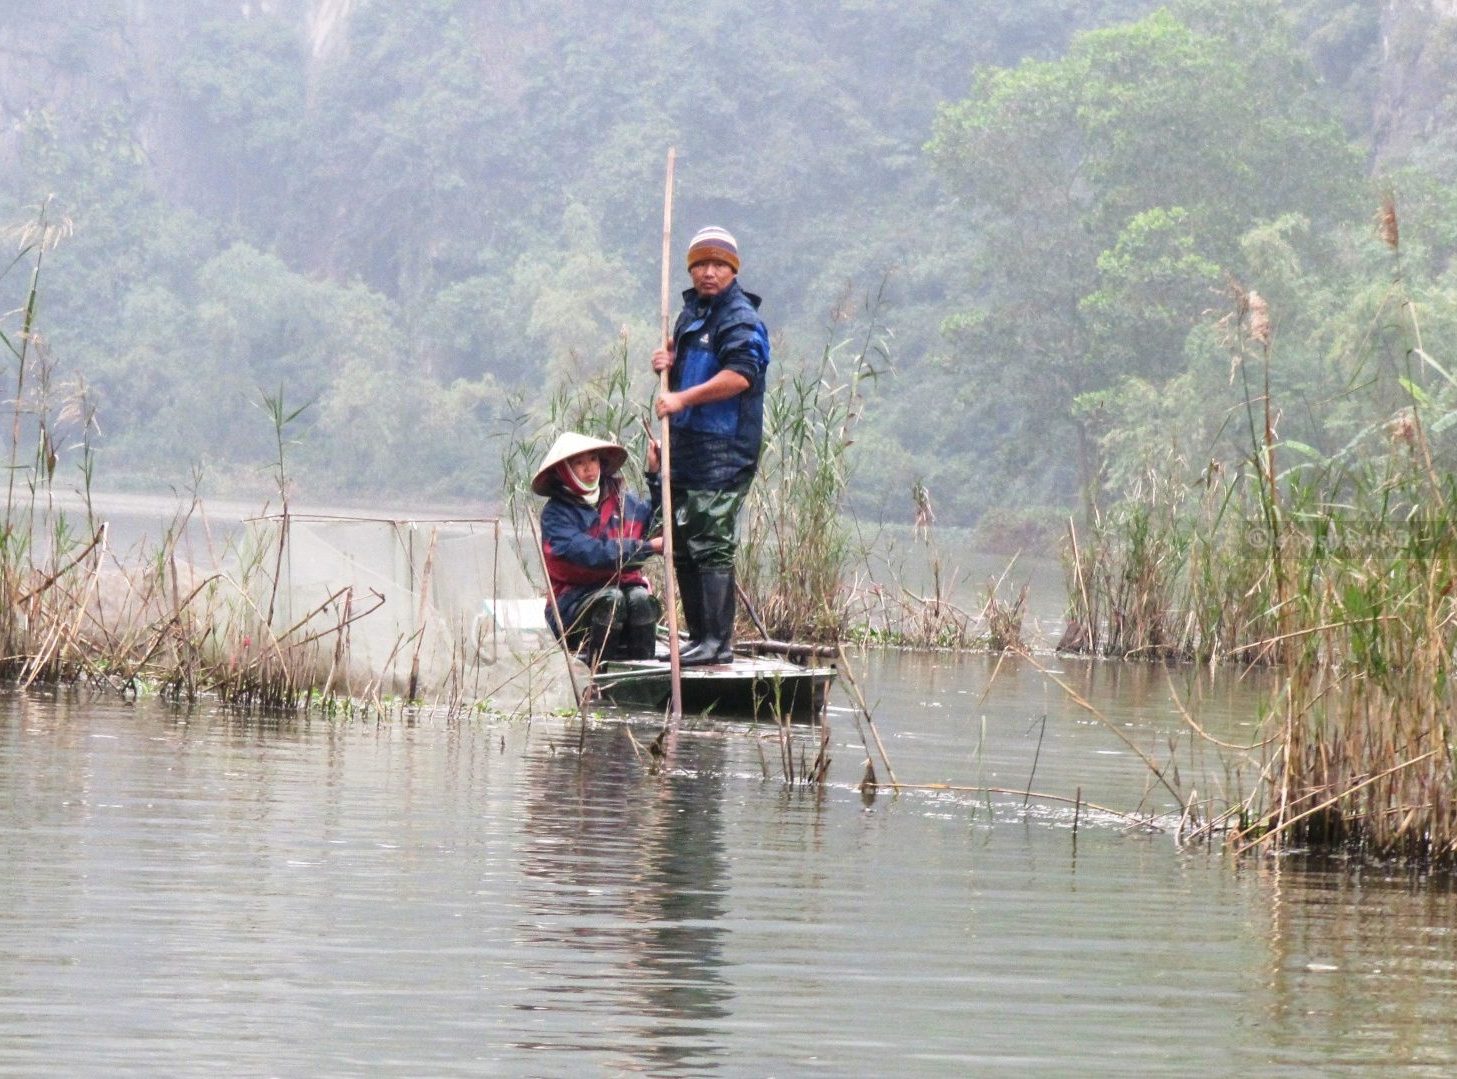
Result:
670,584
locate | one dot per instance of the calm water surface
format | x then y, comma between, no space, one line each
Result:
188,891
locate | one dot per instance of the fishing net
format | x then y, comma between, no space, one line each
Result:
424,608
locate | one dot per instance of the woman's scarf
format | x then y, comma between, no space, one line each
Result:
576,487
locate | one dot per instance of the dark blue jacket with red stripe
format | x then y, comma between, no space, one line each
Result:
591,547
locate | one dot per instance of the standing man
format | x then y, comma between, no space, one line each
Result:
716,363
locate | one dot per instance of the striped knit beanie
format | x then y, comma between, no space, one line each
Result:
713,243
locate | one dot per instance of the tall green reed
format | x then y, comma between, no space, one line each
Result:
796,547
42,553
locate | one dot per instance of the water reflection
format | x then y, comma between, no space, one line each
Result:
1363,960
630,869
191,892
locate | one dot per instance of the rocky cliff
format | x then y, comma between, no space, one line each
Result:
1416,102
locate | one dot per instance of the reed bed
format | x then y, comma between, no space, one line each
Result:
74,610
1342,575
894,616
883,609
1365,755
149,621
797,548
1177,574
152,622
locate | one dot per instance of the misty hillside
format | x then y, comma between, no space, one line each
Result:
415,218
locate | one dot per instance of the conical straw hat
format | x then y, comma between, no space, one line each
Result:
570,444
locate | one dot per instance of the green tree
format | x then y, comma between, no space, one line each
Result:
1110,187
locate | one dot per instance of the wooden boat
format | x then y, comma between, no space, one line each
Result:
759,687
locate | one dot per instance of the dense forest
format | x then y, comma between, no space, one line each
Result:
414,220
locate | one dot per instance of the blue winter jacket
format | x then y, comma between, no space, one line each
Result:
716,446
588,548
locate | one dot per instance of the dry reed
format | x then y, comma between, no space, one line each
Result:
75,610
1346,581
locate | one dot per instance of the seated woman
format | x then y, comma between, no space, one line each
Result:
594,537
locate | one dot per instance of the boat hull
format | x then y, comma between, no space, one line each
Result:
750,687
